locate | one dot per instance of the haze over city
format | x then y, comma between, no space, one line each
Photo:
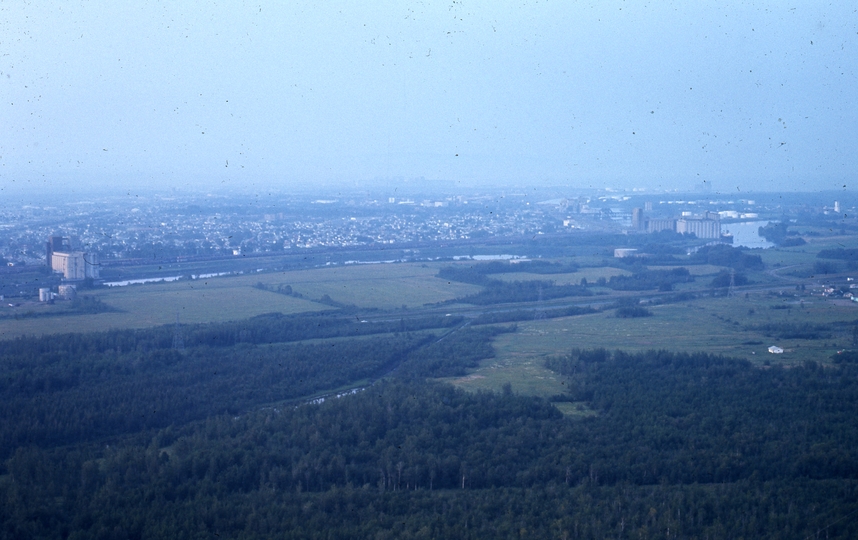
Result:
264,95
408,270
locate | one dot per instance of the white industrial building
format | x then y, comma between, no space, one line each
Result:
702,228
75,265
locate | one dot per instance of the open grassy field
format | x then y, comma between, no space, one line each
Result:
806,254
142,306
715,325
730,326
780,257
236,297
383,286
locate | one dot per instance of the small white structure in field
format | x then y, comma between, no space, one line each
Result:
622,253
774,349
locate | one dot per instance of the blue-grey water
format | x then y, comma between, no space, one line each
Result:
745,234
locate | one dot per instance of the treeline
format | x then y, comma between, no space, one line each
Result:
631,312
778,233
785,330
269,328
717,254
496,291
477,274
842,254
278,328
287,290
725,279
724,255
663,280
517,315
500,292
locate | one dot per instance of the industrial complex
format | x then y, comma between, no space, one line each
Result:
74,265
707,225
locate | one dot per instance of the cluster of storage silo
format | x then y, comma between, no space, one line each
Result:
64,292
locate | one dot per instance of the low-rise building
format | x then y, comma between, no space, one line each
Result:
621,253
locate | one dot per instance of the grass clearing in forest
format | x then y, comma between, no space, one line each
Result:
383,286
727,326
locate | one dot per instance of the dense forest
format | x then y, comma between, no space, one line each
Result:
124,435
778,233
850,255
72,389
724,255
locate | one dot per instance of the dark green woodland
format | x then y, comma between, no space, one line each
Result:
241,433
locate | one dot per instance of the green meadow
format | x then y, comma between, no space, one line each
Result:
382,286
228,298
738,326
142,306
728,326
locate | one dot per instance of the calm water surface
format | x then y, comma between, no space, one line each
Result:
745,234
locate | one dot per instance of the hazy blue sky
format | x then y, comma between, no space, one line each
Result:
753,95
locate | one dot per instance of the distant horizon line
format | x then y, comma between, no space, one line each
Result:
397,186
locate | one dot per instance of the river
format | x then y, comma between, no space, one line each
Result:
745,234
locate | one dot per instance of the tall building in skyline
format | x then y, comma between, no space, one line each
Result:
56,243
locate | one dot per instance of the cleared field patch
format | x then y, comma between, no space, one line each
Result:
776,257
718,326
383,286
575,409
197,302
152,305
524,372
806,254
818,243
728,326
